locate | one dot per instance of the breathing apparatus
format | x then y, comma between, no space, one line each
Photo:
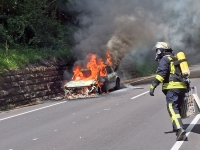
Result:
183,64
159,54
161,48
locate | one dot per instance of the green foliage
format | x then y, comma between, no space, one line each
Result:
5,36
16,28
33,31
7,107
21,56
145,68
35,22
144,63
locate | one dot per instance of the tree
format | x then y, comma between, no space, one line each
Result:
33,22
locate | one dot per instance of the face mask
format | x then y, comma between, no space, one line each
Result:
159,54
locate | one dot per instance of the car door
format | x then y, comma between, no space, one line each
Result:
111,75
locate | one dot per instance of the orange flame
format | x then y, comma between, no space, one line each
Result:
95,64
78,75
92,65
102,68
109,59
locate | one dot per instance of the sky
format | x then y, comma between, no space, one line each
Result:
125,27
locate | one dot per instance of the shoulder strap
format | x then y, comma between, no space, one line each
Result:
179,61
175,60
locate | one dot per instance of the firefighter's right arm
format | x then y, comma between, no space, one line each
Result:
154,84
162,71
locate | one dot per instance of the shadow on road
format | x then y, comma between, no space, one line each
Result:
196,129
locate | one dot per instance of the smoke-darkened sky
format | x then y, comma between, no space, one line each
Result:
121,26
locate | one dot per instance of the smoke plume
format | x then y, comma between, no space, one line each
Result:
126,27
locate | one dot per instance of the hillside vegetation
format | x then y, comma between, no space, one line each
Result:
40,32
34,31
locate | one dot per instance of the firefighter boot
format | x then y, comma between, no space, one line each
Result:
174,129
180,134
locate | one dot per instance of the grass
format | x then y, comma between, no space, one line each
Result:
7,107
20,56
145,68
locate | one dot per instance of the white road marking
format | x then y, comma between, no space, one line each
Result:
32,111
132,87
178,144
121,90
35,139
140,95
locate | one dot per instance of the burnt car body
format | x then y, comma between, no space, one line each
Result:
92,87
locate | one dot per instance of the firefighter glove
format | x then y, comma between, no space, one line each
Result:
151,91
154,84
187,82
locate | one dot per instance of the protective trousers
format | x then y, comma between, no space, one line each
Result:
174,99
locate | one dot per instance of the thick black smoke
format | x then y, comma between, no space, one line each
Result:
129,26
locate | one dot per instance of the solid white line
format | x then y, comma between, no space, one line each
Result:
178,144
32,111
139,95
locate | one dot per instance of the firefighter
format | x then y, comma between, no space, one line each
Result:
173,87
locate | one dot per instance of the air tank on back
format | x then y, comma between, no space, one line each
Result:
183,64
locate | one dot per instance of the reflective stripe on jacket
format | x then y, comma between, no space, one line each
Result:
165,70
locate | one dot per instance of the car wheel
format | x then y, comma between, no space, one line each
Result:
104,88
117,85
100,90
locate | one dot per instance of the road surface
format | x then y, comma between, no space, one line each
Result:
127,119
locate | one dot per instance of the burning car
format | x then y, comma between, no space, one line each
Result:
96,78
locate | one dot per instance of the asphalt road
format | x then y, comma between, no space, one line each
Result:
126,119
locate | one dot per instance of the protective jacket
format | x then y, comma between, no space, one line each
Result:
168,73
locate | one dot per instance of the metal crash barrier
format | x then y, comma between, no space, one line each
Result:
191,104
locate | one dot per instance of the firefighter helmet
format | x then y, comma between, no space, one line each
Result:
162,45
161,48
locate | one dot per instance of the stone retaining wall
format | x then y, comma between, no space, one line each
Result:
31,85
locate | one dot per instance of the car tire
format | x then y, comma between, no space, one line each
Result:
104,88
100,90
117,84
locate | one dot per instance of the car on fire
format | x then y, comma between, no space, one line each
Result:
92,87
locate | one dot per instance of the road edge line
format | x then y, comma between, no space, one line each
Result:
178,144
31,111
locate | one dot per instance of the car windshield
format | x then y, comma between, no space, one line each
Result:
108,69
86,73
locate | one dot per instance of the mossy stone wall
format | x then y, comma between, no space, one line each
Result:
29,85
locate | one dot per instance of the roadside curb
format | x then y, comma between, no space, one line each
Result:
194,73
